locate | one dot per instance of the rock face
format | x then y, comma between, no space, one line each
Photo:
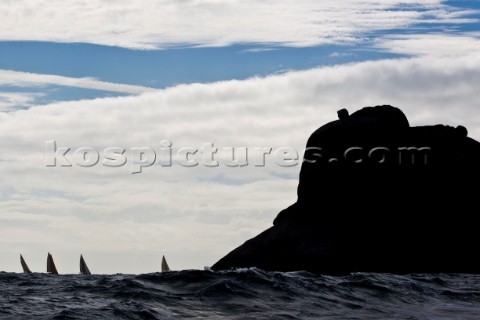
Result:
376,195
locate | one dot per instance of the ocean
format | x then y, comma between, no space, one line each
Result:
240,294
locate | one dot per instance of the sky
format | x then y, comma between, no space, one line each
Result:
135,129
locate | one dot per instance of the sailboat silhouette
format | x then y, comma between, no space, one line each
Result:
26,269
83,266
51,268
165,266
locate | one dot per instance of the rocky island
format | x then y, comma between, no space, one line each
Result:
376,195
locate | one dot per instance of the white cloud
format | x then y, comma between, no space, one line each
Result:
27,79
257,50
194,215
432,45
9,100
340,54
149,24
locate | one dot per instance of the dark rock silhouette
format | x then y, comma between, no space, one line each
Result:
376,195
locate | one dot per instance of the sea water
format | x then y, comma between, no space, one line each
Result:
239,294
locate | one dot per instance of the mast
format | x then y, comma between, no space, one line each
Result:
165,266
24,265
51,265
83,266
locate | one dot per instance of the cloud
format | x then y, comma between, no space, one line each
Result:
27,79
195,215
9,100
432,45
150,24
340,54
257,50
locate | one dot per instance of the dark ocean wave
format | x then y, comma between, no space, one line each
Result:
240,294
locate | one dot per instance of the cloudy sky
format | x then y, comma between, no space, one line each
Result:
104,103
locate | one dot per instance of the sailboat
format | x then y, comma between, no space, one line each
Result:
165,266
24,265
51,265
83,266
